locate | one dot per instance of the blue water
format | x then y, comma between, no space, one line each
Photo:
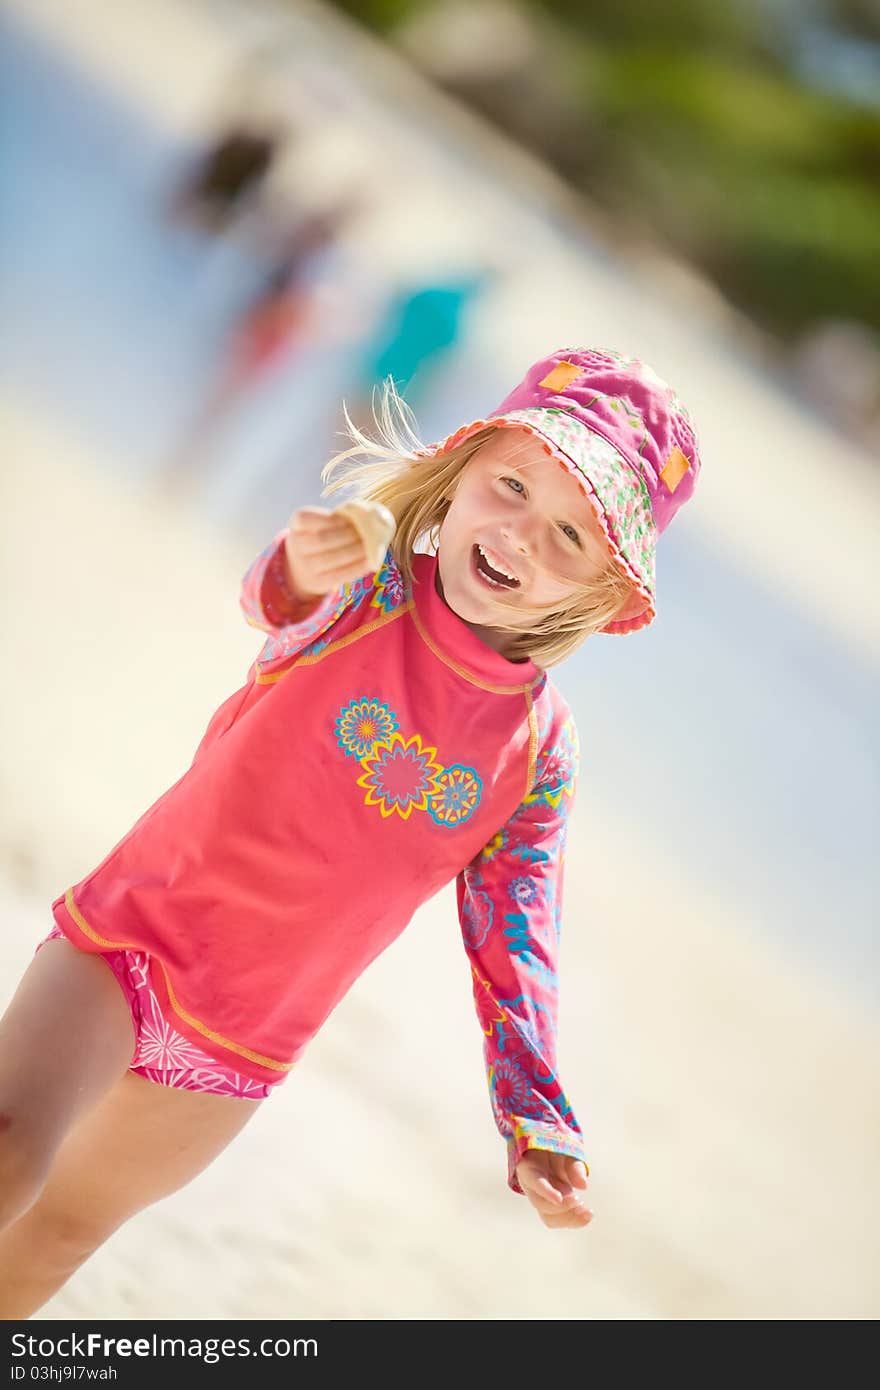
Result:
736,732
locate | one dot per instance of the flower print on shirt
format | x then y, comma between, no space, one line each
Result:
510,1091
523,889
497,843
457,796
556,771
363,724
401,776
389,590
527,1028
519,875
527,938
488,1011
477,915
315,647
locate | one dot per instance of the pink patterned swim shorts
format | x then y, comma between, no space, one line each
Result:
162,1054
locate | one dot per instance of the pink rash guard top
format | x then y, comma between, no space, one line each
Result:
378,750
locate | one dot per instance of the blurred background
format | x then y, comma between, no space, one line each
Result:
220,219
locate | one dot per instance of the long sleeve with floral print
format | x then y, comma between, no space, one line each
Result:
510,902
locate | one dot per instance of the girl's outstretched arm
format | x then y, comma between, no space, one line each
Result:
303,581
510,900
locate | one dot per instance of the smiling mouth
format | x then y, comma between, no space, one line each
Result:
490,573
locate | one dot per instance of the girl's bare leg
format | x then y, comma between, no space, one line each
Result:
65,1039
83,1142
141,1143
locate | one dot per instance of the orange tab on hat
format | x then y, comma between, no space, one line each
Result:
674,469
562,375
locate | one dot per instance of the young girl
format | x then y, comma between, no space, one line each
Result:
397,731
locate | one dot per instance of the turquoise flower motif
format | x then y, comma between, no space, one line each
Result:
476,918
527,948
529,854
457,797
523,890
557,768
363,725
357,591
511,1090
390,592
528,1024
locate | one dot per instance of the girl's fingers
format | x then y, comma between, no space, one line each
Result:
573,1219
568,1173
334,556
317,569
550,1207
577,1173
349,561
544,1167
539,1188
332,579
319,530
318,519
545,1179
531,1175
310,518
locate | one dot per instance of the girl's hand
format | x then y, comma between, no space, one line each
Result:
324,551
550,1181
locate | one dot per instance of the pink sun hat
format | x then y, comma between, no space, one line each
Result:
627,439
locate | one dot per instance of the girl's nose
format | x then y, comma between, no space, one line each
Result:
516,538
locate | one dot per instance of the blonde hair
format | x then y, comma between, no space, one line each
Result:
418,492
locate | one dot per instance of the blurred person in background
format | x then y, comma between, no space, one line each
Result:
228,177
397,732
286,310
416,332
227,181
360,336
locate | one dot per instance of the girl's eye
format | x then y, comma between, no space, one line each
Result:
572,534
515,484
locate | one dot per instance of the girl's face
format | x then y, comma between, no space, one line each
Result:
519,532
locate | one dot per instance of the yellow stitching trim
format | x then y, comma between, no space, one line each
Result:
674,469
562,375
315,657
460,670
86,929
218,1037
181,1013
533,742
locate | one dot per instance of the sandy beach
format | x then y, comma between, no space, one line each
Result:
727,1087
